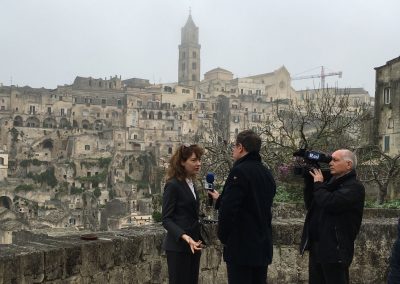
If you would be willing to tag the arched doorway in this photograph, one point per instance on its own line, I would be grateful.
(18, 121)
(99, 124)
(49, 123)
(85, 124)
(5, 202)
(32, 122)
(48, 144)
(64, 123)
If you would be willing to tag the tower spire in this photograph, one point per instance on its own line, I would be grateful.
(189, 53)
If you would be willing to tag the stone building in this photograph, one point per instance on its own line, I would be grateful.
(189, 54)
(387, 107)
(3, 165)
(133, 123)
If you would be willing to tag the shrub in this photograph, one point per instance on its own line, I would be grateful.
(76, 190)
(157, 216)
(24, 187)
(291, 193)
(390, 204)
(97, 192)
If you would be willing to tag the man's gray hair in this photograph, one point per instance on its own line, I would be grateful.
(350, 156)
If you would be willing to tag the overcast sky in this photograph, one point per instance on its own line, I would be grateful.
(45, 43)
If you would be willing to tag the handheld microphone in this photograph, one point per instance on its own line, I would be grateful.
(210, 186)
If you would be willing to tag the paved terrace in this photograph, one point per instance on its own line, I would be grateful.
(135, 255)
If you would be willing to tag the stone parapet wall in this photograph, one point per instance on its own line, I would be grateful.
(135, 256)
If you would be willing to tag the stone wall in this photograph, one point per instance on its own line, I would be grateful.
(135, 255)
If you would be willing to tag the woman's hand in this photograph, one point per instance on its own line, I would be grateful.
(194, 246)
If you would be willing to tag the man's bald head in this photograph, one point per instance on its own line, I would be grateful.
(343, 161)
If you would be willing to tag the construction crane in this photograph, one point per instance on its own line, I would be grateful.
(322, 76)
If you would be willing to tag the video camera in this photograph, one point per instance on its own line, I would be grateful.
(310, 160)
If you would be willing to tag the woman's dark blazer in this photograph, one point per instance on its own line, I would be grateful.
(180, 215)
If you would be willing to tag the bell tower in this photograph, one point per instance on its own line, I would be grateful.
(189, 54)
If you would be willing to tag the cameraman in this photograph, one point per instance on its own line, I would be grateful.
(334, 213)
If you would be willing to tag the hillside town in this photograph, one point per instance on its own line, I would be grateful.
(92, 155)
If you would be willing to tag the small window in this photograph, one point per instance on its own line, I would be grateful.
(386, 96)
(386, 143)
(194, 65)
(87, 147)
(103, 101)
(390, 123)
(194, 54)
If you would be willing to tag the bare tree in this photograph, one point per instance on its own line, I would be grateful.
(378, 168)
(324, 121)
(217, 158)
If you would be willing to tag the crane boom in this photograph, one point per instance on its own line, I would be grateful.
(322, 75)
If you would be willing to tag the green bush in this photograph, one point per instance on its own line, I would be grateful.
(390, 204)
(290, 193)
(25, 163)
(35, 162)
(101, 177)
(111, 194)
(24, 187)
(76, 190)
(104, 162)
(157, 217)
(128, 179)
(45, 177)
(97, 192)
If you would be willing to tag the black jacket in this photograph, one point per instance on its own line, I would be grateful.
(180, 215)
(244, 219)
(335, 210)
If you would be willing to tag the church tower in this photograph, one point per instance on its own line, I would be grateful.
(189, 54)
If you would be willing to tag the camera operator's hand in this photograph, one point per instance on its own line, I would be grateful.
(317, 175)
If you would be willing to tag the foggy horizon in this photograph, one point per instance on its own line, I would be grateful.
(47, 43)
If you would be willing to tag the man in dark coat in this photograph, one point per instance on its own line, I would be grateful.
(334, 214)
(244, 219)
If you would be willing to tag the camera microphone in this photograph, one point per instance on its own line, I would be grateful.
(210, 186)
